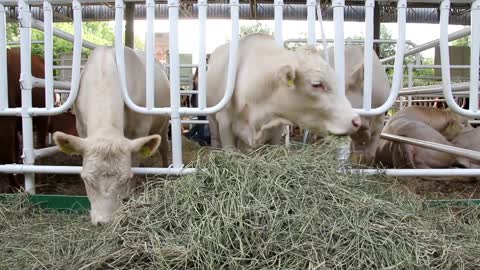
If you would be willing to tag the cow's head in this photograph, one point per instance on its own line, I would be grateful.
(107, 168)
(365, 140)
(456, 125)
(307, 95)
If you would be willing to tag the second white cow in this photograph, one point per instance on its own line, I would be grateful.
(365, 141)
(274, 87)
(112, 136)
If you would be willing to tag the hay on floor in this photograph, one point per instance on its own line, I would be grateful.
(272, 209)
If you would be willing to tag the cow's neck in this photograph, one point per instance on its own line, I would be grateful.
(254, 125)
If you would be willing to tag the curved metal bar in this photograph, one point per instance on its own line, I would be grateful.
(398, 66)
(77, 54)
(445, 60)
(232, 67)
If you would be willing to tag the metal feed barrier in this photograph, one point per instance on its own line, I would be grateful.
(175, 110)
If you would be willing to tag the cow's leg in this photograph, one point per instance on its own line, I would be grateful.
(214, 132)
(276, 133)
(227, 138)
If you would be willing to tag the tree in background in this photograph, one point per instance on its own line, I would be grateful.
(258, 27)
(463, 42)
(100, 33)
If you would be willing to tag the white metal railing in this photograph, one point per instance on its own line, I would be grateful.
(175, 110)
(474, 59)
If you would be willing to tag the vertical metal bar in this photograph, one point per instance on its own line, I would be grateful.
(24, 17)
(324, 38)
(311, 22)
(76, 63)
(3, 59)
(48, 45)
(398, 65)
(474, 55)
(368, 55)
(445, 59)
(202, 61)
(278, 21)
(410, 82)
(278, 15)
(175, 84)
(339, 42)
(150, 75)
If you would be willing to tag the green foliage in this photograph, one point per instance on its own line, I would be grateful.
(100, 33)
(258, 27)
(463, 42)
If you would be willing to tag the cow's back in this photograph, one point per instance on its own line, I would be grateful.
(258, 56)
(380, 82)
(100, 104)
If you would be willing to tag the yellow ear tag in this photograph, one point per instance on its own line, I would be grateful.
(290, 83)
(67, 149)
(145, 151)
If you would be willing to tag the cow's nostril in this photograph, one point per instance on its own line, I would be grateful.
(356, 122)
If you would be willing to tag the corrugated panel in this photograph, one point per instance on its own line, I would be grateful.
(264, 12)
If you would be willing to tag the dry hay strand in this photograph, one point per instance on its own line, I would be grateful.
(275, 208)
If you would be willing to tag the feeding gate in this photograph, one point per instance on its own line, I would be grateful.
(175, 111)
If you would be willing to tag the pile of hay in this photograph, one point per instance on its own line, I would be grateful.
(273, 209)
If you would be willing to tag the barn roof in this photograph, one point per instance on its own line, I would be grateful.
(424, 11)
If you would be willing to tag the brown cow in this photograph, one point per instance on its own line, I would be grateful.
(11, 126)
(65, 122)
(424, 123)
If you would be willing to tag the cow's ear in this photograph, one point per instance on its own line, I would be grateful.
(146, 146)
(356, 77)
(69, 144)
(286, 76)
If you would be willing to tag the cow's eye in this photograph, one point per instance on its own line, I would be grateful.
(319, 86)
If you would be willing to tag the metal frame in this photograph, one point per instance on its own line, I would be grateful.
(175, 110)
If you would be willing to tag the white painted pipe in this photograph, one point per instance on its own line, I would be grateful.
(24, 17)
(311, 21)
(322, 31)
(45, 152)
(41, 83)
(202, 54)
(431, 44)
(48, 59)
(398, 69)
(416, 172)
(194, 121)
(339, 44)
(410, 84)
(13, 43)
(445, 60)
(62, 34)
(368, 55)
(176, 127)
(278, 35)
(77, 54)
(150, 59)
(29, 169)
(474, 56)
(434, 89)
(278, 16)
(467, 153)
(349, 40)
(232, 67)
(3, 60)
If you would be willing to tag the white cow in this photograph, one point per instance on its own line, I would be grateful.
(274, 86)
(112, 135)
(366, 139)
